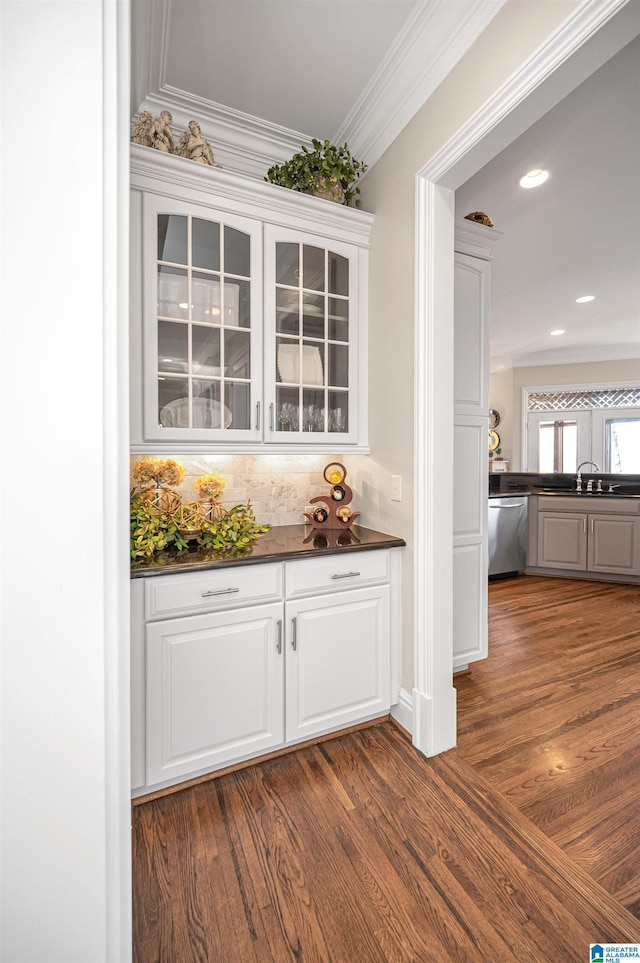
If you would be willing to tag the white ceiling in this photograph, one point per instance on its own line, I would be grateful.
(577, 234)
(299, 65)
(264, 76)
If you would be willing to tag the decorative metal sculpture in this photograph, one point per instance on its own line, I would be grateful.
(332, 510)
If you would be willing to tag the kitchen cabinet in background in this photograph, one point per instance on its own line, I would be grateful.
(248, 314)
(472, 318)
(594, 536)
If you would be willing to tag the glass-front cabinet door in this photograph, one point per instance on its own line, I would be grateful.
(202, 325)
(310, 339)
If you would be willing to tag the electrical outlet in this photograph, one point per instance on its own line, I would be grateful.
(396, 488)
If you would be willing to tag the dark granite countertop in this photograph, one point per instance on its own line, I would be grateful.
(280, 543)
(563, 493)
(502, 484)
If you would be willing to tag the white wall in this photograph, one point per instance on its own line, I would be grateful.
(65, 893)
(389, 192)
(505, 392)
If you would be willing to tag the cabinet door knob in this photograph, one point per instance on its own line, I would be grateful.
(346, 575)
(294, 640)
(279, 643)
(227, 591)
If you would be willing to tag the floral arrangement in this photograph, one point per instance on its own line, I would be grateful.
(210, 487)
(152, 529)
(164, 525)
(158, 472)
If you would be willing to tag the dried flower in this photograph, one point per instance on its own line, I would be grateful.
(172, 473)
(157, 471)
(210, 486)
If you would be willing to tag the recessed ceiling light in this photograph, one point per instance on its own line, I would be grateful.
(557, 331)
(585, 298)
(534, 178)
(183, 304)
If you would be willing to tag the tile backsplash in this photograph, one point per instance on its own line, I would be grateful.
(279, 486)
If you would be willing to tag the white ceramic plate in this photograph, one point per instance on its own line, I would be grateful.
(206, 414)
(289, 364)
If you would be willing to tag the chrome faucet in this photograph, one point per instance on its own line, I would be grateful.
(579, 475)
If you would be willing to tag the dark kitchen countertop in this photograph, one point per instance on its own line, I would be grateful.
(503, 484)
(282, 542)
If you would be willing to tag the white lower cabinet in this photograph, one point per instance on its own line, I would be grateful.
(215, 688)
(337, 663)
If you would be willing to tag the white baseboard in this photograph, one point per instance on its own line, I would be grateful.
(402, 711)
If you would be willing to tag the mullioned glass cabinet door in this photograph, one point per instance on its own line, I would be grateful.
(310, 339)
(202, 324)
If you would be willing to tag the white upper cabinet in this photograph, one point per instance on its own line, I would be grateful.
(248, 321)
(311, 338)
(202, 325)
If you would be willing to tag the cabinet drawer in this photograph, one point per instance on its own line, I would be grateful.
(169, 595)
(336, 572)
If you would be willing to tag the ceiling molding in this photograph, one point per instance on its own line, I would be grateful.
(149, 34)
(453, 164)
(476, 239)
(241, 143)
(434, 38)
(576, 355)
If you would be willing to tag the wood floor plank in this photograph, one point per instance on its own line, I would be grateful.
(551, 717)
(360, 850)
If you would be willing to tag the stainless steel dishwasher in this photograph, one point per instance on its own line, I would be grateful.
(507, 535)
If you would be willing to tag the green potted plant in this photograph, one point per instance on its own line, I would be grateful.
(327, 171)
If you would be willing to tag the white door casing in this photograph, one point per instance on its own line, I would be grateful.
(594, 33)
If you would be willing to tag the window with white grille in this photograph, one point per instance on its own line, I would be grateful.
(566, 427)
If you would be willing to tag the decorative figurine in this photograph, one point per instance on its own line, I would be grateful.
(193, 146)
(150, 131)
(332, 510)
(479, 217)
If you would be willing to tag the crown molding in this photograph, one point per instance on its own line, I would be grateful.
(475, 239)
(449, 166)
(434, 38)
(230, 190)
(580, 354)
(241, 143)
(431, 42)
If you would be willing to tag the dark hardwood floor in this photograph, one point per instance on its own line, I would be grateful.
(361, 850)
(552, 718)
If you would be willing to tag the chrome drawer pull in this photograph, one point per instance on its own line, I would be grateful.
(346, 575)
(279, 644)
(294, 640)
(227, 591)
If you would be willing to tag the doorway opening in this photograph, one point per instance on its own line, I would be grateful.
(586, 40)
